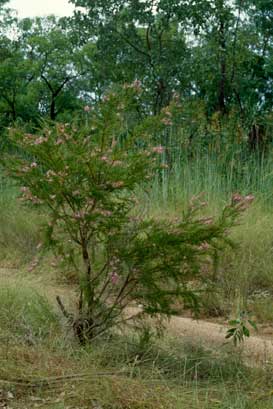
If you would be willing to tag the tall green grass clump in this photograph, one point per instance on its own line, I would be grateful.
(25, 315)
(19, 227)
(245, 276)
(218, 175)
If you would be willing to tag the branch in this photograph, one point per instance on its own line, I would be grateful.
(66, 314)
(132, 44)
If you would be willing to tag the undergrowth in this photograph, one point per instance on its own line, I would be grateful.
(121, 371)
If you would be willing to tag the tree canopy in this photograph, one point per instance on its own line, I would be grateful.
(214, 56)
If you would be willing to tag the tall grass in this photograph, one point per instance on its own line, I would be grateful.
(19, 227)
(216, 175)
(247, 273)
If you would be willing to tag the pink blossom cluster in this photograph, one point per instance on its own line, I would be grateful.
(114, 277)
(167, 112)
(59, 141)
(103, 212)
(87, 108)
(204, 246)
(40, 140)
(166, 121)
(81, 214)
(237, 198)
(118, 184)
(242, 202)
(28, 196)
(34, 140)
(136, 85)
(206, 220)
(26, 169)
(158, 149)
(50, 174)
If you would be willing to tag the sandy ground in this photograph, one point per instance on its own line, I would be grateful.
(258, 349)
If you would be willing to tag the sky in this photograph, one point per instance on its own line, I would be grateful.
(33, 8)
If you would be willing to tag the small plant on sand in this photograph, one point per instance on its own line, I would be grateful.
(85, 177)
(240, 328)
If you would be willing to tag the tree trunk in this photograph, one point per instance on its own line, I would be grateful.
(222, 82)
(53, 113)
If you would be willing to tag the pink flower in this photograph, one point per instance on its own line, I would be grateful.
(166, 121)
(237, 198)
(33, 165)
(79, 215)
(29, 136)
(50, 173)
(114, 277)
(206, 220)
(104, 158)
(249, 198)
(167, 111)
(137, 85)
(106, 213)
(87, 108)
(118, 184)
(103, 212)
(59, 141)
(204, 246)
(40, 140)
(158, 149)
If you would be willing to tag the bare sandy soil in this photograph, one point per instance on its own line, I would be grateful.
(257, 350)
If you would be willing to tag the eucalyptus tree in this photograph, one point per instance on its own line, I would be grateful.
(138, 40)
(51, 45)
(16, 71)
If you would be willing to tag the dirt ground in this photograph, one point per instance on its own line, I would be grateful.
(258, 349)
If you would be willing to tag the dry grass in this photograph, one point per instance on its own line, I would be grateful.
(121, 372)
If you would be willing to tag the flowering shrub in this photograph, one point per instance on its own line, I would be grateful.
(85, 177)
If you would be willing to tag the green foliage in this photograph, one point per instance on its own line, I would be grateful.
(240, 328)
(86, 177)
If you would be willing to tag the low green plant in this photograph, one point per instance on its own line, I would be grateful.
(240, 328)
(85, 176)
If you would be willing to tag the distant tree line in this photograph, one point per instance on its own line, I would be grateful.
(214, 57)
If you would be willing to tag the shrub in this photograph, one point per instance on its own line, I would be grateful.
(86, 176)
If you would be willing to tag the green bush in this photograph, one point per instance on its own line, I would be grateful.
(86, 177)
